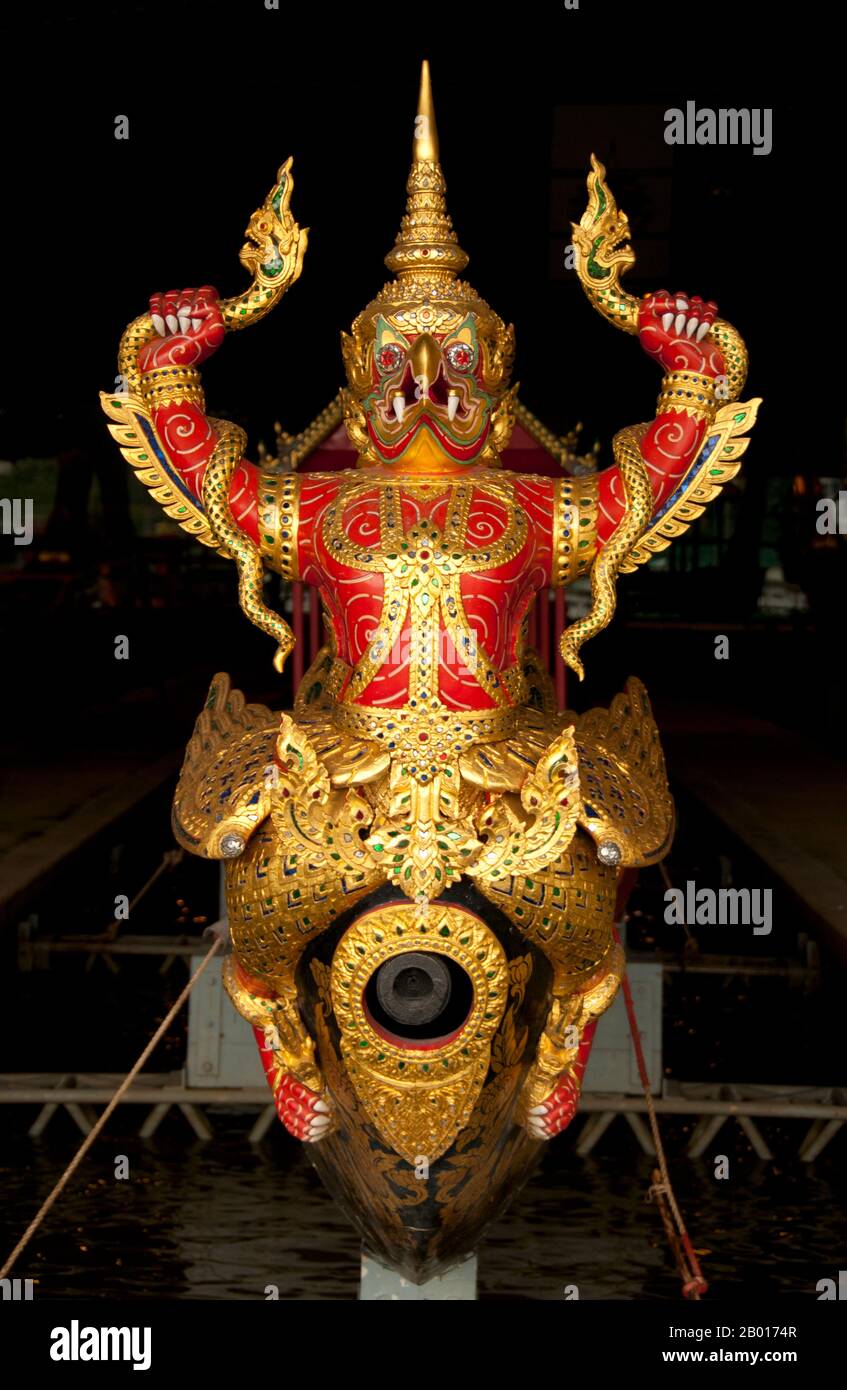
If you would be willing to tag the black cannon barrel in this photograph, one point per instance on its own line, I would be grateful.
(414, 988)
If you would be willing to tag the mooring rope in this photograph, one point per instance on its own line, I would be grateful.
(693, 1283)
(692, 945)
(170, 859)
(116, 1099)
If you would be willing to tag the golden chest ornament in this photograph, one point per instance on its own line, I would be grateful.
(420, 567)
(420, 884)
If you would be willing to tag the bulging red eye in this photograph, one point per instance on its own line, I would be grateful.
(460, 356)
(389, 357)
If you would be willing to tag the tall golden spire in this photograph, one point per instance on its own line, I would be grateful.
(426, 240)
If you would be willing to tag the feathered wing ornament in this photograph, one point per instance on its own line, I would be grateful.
(604, 254)
(639, 537)
(273, 253)
(625, 802)
(320, 823)
(717, 462)
(224, 787)
(602, 771)
(133, 430)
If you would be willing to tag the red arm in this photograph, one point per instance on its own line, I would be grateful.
(675, 330)
(575, 516)
(190, 328)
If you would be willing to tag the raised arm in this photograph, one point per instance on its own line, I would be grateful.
(675, 330)
(587, 511)
(656, 486)
(190, 326)
(159, 356)
(193, 465)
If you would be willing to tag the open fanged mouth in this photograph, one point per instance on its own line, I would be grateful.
(404, 402)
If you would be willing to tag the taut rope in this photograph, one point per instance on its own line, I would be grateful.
(116, 1098)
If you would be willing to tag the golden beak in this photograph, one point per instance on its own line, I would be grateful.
(425, 358)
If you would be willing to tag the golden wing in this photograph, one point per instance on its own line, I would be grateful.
(273, 253)
(317, 821)
(131, 426)
(224, 786)
(717, 461)
(626, 806)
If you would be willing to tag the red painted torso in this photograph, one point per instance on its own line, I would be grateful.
(427, 582)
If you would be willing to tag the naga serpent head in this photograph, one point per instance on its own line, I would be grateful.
(428, 362)
(602, 239)
(275, 246)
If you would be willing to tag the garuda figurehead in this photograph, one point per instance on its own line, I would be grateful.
(428, 362)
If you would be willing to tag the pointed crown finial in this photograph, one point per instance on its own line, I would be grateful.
(426, 240)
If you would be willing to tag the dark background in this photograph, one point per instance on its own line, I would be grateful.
(216, 99)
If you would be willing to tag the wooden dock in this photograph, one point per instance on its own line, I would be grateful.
(822, 1111)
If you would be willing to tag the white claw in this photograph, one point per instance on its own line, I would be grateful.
(452, 406)
(159, 324)
(679, 324)
(667, 320)
(538, 1109)
(196, 323)
(173, 322)
(399, 405)
(682, 304)
(184, 321)
(321, 1107)
(690, 327)
(702, 331)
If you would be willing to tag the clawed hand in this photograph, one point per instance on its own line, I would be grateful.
(189, 327)
(675, 329)
(305, 1115)
(554, 1114)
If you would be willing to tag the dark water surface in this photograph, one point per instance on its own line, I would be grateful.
(224, 1219)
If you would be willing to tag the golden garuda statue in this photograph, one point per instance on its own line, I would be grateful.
(422, 857)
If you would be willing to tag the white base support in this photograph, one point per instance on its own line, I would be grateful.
(457, 1285)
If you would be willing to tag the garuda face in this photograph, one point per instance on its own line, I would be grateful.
(422, 861)
(432, 384)
(428, 362)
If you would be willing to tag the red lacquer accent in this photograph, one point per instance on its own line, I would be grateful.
(495, 601)
(673, 438)
(295, 1103)
(562, 1103)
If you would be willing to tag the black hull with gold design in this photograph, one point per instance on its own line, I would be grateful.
(426, 966)
(420, 1214)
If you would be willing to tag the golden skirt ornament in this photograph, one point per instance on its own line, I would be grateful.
(423, 856)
